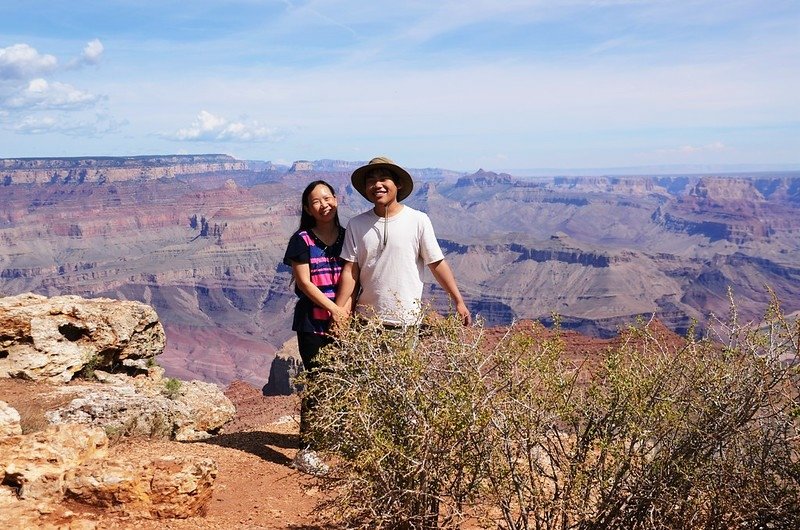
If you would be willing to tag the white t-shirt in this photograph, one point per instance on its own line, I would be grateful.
(391, 277)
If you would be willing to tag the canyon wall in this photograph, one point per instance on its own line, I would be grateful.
(204, 247)
(111, 169)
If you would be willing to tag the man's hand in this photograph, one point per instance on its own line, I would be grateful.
(340, 320)
(463, 312)
(441, 271)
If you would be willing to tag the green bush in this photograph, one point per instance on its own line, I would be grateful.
(172, 387)
(657, 432)
(88, 370)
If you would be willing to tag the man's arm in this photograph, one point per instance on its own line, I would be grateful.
(348, 282)
(444, 275)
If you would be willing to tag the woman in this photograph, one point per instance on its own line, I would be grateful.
(313, 254)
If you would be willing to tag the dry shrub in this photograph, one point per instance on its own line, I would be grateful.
(32, 418)
(404, 417)
(696, 434)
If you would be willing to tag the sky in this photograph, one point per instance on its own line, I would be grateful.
(457, 84)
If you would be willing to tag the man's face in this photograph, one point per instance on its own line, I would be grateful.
(380, 188)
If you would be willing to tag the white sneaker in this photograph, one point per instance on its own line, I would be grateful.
(309, 462)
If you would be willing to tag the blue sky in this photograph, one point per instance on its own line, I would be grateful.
(463, 84)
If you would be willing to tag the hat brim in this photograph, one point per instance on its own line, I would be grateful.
(405, 184)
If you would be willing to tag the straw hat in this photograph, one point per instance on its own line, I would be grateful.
(401, 177)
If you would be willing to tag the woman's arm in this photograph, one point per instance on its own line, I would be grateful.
(302, 276)
(348, 283)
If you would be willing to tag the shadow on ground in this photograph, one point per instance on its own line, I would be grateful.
(259, 443)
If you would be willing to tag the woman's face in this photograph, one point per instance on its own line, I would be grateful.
(321, 204)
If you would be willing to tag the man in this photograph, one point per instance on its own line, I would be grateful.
(386, 248)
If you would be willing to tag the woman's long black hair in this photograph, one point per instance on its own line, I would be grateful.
(307, 220)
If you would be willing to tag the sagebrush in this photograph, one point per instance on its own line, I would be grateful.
(656, 432)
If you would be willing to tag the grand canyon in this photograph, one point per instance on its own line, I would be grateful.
(201, 238)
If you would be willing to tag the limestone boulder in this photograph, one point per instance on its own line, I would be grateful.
(53, 338)
(202, 409)
(41, 514)
(15, 513)
(164, 487)
(38, 471)
(151, 406)
(119, 410)
(9, 420)
(38, 463)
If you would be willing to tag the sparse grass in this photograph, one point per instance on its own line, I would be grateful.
(88, 370)
(114, 433)
(32, 399)
(172, 387)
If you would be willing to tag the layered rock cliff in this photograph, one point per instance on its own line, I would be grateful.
(205, 250)
(111, 169)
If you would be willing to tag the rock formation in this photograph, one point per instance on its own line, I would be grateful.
(112, 345)
(9, 420)
(111, 169)
(163, 487)
(39, 470)
(54, 338)
(147, 405)
(285, 366)
(37, 464)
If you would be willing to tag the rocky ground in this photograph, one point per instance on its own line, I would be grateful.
(255, 486)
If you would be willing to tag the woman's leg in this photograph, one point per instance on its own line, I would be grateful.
(309, 345)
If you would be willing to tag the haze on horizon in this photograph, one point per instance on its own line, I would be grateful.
(458, 84)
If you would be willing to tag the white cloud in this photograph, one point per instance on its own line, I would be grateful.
(68, 125)
(91, 55)
(21, 61)
(713, 147)
(208, 127)
(92, 52)
(37, 125)
(41, 94)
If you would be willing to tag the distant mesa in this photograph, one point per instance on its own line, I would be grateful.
(485, 178)
(301, 165)
(325, 165)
